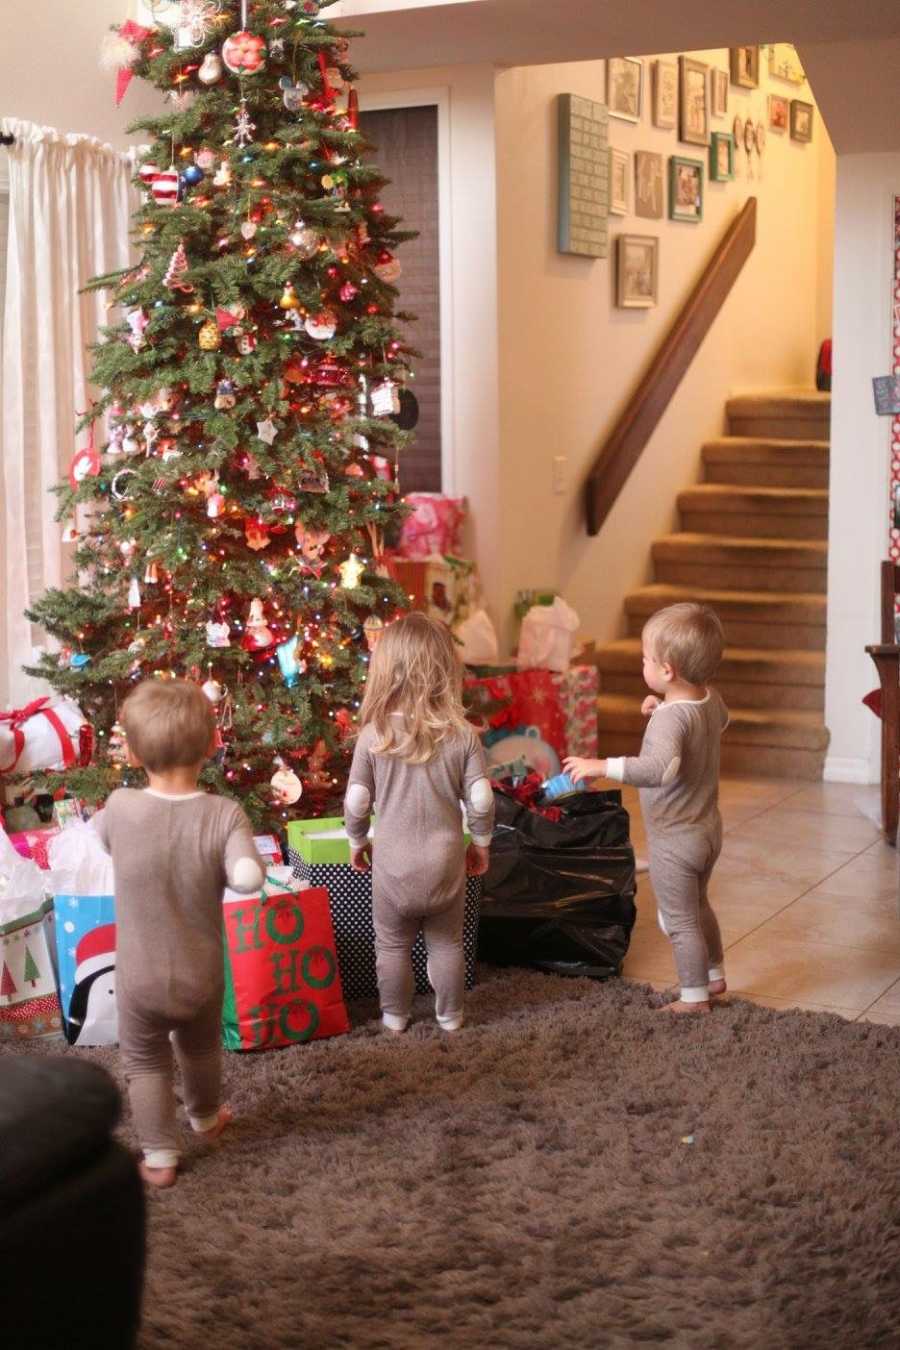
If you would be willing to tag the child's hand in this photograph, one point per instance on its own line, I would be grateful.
(580, 769)
(477, 860)
(649, 705)
(361, 858)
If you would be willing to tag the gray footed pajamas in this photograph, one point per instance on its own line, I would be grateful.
(172, 857)
(678, 774)
(419, 861)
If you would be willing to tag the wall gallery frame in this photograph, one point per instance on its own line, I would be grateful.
(744, 67)
(779, 113)
(719, 92)
(721, 157)
(693, 101)
(637, 271)
(801, 120)
(625, 87)
(665, 95)
(685, 189)
(784, 63)
(619, 174)
(649, 185)
(583, 209)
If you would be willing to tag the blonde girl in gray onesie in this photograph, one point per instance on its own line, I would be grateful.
(416, 761)
(678, 774)
(173, 847)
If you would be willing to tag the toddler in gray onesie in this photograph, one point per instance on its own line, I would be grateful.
(678, 774)
(173, 847)
(416, 760)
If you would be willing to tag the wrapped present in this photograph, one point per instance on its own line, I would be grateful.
(29, 1005)
(537, 703)
(579, 689)
(433, 524)
(81, 876)
(282, 980)
(319, 853)
(268, 846)
(561, 707)
(46, 734)
(445, 588)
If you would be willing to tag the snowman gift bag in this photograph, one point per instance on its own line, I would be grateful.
(82, 880)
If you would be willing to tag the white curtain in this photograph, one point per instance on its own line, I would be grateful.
(70, 201)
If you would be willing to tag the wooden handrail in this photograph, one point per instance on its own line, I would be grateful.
(626, 441)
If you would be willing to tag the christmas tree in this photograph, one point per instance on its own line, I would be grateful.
(238, 470)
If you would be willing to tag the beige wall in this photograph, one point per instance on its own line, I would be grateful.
(569, 358)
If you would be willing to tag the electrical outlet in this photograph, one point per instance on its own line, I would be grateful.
(560, 467)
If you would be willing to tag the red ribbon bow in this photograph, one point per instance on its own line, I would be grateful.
(19, 716)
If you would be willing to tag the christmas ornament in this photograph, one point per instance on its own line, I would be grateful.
(248, 230)
(351, 572)
(209, 337)
(85, 464)
(151, 574)
(267, 431)
(317, 776)
(213, 691)
(348, 292)
(116, 438)
(225, 396)
(322, 326)
(244, 53)
(407, 417)
(304, 240)
(387, 268)
(227, 318)
(288, 298)
(117, 745)
(121, 51)
(147, 173)
(256, 534)
(291, 667)
(210, 71)
(127, 548)
(385, 399)
(170, 450)
(78, 660)
(223, 175)
(130, 443)
(196, 21)
(292, 94)
(206, 158)
(218, 634)
(246, 343)
(120, 484)
(373, 629)
(286, 786)
(244, 126)
(134, 595)
(178, 266)
(258, 635)
(137, 321)
(165, 187)
(193, 175)
(312, 543)
(70, 533)
(313, 480)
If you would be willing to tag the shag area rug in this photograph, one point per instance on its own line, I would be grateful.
(571, 1170)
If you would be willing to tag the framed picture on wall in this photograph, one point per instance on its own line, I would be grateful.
(665, 95)
(618, 182)
(721, 157)
(693, 101)
(719, 93)
(784, 63)
(649, 188)
(779, 113)
(744, 67)
(685, 189)
(624, 87)
(637, 271)
(801, 120)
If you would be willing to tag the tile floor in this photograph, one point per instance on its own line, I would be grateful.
(806, 893)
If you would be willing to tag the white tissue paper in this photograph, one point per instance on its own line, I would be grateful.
(79, 864)
(23, 886)
(547, 637)
(479, 640)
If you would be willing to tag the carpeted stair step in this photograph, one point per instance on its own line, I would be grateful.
(781, 742)
(760, 512)
(757, 462)
(767, 619)
(747, 677)
(793, 414)
(735, 563)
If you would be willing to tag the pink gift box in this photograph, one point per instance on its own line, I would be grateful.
(433, 525)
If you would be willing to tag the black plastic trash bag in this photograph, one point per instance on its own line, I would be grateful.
(559, 895)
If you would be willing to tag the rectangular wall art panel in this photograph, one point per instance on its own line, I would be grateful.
(583, 177)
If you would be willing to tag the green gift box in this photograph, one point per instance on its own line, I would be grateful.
(319, 853)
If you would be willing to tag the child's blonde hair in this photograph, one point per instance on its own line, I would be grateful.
(689, 638)
(414, 671)
(169, 724)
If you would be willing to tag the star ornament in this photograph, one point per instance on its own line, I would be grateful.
(267, 431)
(351, 572)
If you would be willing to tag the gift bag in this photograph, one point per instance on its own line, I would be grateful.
(282, 980)
(81, 877)
(319, 853)
(86, 953)
(29, 1004)
(433, 524)
(547, 637)
(50, 733)
(579, 690)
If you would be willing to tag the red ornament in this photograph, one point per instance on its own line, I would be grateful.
(85, 464)
(244, 53)
(164, 187)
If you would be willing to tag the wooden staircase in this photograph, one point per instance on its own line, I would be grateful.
(753, 544)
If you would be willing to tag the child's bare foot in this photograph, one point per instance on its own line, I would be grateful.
(680, 1008)
(717, 988)
(225, 1118)
(160, 1177)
